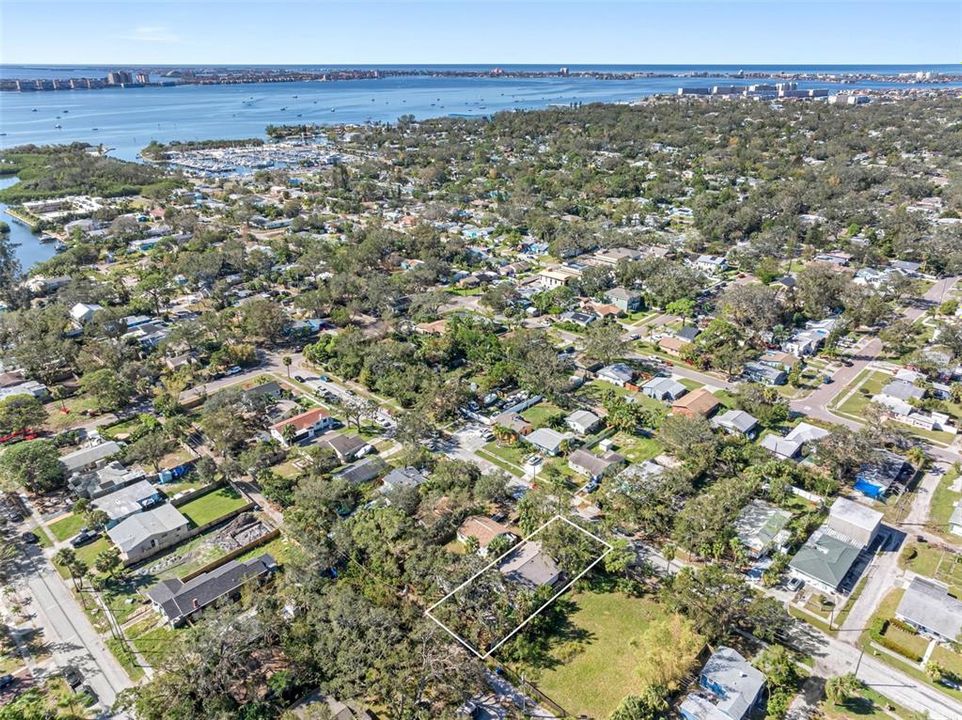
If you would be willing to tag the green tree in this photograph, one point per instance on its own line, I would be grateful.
(21, 412)
(842, 688)
(652, 704)
(603, 342)
(108, 562)
(109, 389)
(33, 465)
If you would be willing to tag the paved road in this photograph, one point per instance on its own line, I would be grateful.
(73, 641)
(816, 404)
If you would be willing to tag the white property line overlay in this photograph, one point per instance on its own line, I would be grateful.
(485, 656)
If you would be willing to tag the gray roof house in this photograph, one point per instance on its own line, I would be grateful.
(147, 533)
(582, 421)
(854, 520)
(584, 462)
(346, 447)
(103, 480)
(177, 600)
(402, 477)
(928, 607)
(902, 390)
(363, 470)
(89, 456)
(792, 444)
(127, 500)
(761, 527)
(528, 565)
(546, 440)
(763, 373)
(618, 374)
(733, 688)
(662, 388)
(736, 422)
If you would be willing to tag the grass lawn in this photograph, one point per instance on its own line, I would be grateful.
(66, 527)
(280, 548)
(690, 384)
(89, 553)
(636, 449)
(58, 420)
(942, 506)
(869, 705)
(538, 414)
(868, 384)
(126, 658)
(931, 562)
(949, 660)
(213, 505)
(616, 645)
(120, 430)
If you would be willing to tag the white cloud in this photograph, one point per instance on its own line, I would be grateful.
(156, 34)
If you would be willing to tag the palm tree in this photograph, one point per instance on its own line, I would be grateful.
(287, 360)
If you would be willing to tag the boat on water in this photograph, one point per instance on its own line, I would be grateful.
(47, 239)
(58, 126)
(60, 246)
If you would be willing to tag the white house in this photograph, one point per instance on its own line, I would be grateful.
(305, 426)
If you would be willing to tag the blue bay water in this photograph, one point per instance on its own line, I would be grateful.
(127, 119)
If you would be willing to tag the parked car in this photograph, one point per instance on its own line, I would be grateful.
(73, 677)
(299, 378)
(236, 370)
(89, 692)
(84, 537)
(30, 538)
(6, 681)
(795, 584)
(533, 460)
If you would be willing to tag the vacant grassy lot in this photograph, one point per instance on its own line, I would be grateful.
(618, 645)
(636, 449)
(538, 414)
(943, 504)
(865, 385)
(66, 527)
(932, 562)
(868, 705)
(213, 505)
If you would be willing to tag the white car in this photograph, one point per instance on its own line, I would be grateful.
(533, 461)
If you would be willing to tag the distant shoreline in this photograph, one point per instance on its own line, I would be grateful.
(257, 76)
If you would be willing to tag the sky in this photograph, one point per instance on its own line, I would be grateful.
(560, 32)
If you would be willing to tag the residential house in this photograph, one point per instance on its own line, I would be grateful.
(626, 300)
(876, 478)
(854, 520)
(335, 709)
(737, 422)
(406, 477)
(128, 500)
(547, 440)
(761, 527)
(928, 607)
(178, 601)
(673, 346)
(765, 373)
(147, 533)
(592, 466)
(732, 689)
(907, 267)
(363, 470)
(347, 447)
(83, 312)
(809, 339)
(513, 422)
(613, 256)
(662, 388)
(711, 264)
(698, 402)
(688, 333)
(825, 560)
(305, 426)
(89, 456)
(835, 257)
(484, 530)
(777, 359)
(27, 387)
(791, 446)
(557, 277)
(583, 422)
(529, 566)
(617, 374)
(578, 317)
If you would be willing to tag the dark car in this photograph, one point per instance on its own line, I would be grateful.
(299, 378)
(73, 677)
(30, 538)
(89, 692)
(84, 537)
(6, 681)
